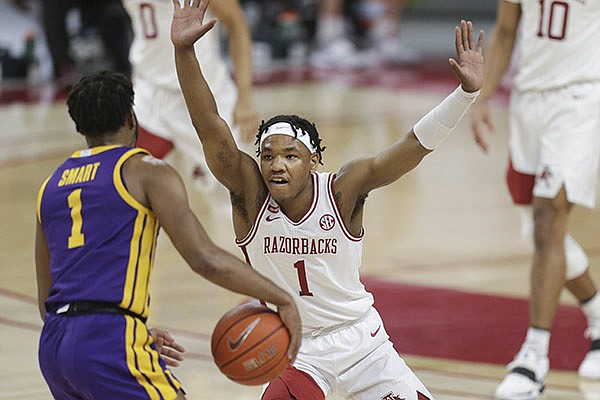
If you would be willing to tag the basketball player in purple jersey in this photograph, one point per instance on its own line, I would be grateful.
(98, 218)
(303, 228)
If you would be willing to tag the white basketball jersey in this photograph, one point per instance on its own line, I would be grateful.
(152, 54)
(315, 259)
(559, 43)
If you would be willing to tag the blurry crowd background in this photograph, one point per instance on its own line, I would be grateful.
(57, 40)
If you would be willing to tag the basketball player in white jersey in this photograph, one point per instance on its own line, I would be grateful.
(303, 228)
(554, 151)
(163, 118)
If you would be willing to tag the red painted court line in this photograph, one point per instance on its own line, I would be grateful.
(188, 333)
(20, 324)
(17, 296)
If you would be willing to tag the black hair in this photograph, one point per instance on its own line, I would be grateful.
(100, 103)
(297, 123)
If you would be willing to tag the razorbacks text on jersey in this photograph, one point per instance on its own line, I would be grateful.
(316, 259)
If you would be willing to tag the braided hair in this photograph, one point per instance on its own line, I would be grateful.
(100, 103)
(297, 123)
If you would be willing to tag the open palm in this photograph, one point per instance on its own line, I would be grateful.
(188, 22)
(469, 64)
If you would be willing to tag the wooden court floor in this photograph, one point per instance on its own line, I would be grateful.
(451, 217)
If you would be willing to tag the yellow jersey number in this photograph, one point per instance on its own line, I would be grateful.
(77, 239)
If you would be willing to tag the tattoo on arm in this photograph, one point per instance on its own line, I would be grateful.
(224, 159)
(225, 154)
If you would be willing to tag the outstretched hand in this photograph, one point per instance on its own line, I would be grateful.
(468, 65)
(188, 22)
(170, 351)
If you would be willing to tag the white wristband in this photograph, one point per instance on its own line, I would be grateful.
(438, 123)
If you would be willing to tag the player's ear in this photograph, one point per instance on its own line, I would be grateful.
(130, 119)
(314, 161)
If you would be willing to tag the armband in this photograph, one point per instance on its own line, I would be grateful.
(438, 123)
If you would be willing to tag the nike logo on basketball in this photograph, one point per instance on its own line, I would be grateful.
(235, 344)
(271, 218)
(373, 334)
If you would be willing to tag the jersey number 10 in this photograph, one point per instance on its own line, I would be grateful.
(556, 17)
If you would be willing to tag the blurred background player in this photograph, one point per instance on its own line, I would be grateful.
(76, 29)
(333, 44)
(554, 154)
(164, 122)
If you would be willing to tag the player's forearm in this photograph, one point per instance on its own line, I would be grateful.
(499, 53)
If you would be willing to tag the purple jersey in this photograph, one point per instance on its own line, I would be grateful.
(101, 240)
(101, 243)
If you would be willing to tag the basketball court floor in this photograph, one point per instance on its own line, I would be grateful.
(442, 253)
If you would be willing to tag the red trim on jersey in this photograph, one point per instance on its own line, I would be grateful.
(246, 257)
(157, 146)
(520, 185)
(293, 384)
(421, 396)
(338, 215)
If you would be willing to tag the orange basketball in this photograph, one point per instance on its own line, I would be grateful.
(249, 344)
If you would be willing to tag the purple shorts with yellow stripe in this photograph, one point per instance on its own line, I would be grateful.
(103, 356)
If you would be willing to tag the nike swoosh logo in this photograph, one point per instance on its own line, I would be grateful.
(235, 344)
(373, 334)
(271, 218)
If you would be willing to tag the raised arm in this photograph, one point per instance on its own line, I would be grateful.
(231, 167)
(156, 185)
(498, 54)
(359, 177)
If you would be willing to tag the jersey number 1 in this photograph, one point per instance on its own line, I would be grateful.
(76, 239)
(301, 269)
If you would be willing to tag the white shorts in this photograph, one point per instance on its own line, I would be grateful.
(359, 362)
(163, 113)
(555, 135)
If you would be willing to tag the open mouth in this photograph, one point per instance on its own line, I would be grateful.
(278, 181)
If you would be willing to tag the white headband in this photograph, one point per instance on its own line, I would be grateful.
(284, 128)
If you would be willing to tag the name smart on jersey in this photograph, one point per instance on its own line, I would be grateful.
(294, 245)
(85, 173)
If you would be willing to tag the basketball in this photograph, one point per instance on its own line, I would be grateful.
(249, 344)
